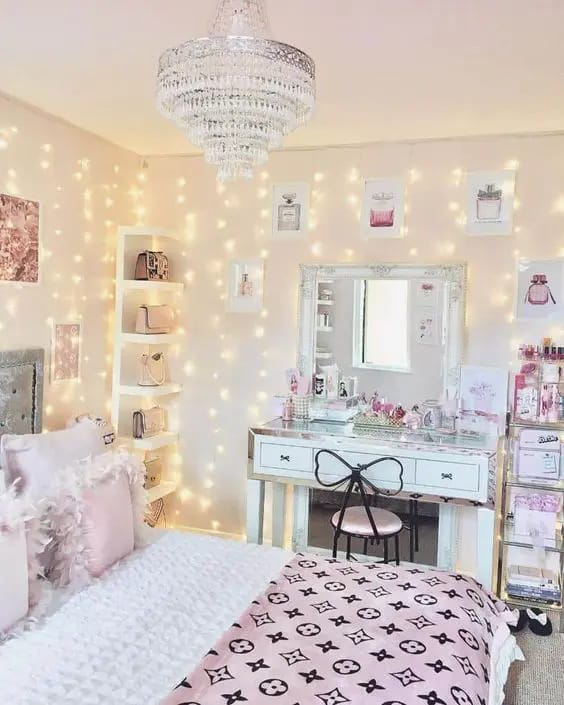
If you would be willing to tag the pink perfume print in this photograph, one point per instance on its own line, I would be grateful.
(382, 210)
(539, 293)
(245, 285)
(19, 239)
(488, 203)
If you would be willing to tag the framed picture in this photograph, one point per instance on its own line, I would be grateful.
(427, 293)
(245, 286)
(19, 240)
(65, 351)
(540, 289)
(383, 208)
(290, 210)
(427, 327)
(490, 197)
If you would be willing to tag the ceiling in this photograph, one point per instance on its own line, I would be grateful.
(387, 69)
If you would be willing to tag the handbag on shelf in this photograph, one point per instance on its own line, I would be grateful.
(151, 266)
(153, 320)
(153, 472)
(152, 370)
(148, 422)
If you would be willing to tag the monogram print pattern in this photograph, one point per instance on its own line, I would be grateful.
(329, 633)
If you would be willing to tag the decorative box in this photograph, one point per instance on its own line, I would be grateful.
(539, 465)
(536, 516)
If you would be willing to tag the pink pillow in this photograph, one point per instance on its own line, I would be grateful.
(107, 523)
(14, 588)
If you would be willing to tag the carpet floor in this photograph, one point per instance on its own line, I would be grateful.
(540, 679)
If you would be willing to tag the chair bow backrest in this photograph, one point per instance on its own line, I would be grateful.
(355, 479)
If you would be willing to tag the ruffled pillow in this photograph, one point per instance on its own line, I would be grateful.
(96, 517)
(24, 595)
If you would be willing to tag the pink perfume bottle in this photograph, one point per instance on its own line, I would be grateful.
(245, 285)
(289, 213)
(488, 203)
(382, 210)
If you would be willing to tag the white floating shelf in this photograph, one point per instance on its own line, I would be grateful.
(136, 390)
(323, 356)
(145, 231)
(325, 329)
(166, 438)
(320, 302)
(163, 489)
(141, 339)
(135, 285)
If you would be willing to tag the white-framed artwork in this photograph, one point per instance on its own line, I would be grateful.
(290, 209)
(383, 208)
(426, 326)
(540, 289)
(245, 285)
(427, 292)
(483, 399)
(490, 199)
(66, 340)
(19, 240)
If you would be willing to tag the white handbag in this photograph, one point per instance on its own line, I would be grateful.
(154, 319)
(152, 370)
(148, 422)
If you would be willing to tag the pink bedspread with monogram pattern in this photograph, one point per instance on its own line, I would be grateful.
(328, 632)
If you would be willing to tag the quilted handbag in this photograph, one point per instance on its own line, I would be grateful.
(153, 472)
(152, 370)
(151, 266)
(154, 319)
(148, 422)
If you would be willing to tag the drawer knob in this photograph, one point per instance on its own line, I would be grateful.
(446, 475)
(285, 457)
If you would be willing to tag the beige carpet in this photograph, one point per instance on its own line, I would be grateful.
(540, 679)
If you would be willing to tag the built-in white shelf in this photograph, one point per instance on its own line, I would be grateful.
(161, 440)
(324, 329)
(323, 355)
(146, 231)
(163, 489)
(136, 390)
(321, 302)
(151, 339)
(165, 287)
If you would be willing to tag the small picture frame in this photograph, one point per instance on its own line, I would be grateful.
(19, 240)
(383, 208)
(540, 289)
(490, 201)
(290, 210)
(66, 343)
(245, 286)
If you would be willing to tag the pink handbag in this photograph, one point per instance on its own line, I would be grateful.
(154, 320)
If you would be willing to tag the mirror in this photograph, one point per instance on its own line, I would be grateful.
(394, 329)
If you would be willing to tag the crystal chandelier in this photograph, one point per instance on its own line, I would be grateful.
(236, 93)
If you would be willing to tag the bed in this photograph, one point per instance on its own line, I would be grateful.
(198, 620)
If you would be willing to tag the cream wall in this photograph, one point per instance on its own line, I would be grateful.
(83, 184)
(234, 363)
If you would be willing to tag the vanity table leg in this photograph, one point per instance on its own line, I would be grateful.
(255, 510)
(485, 541)
(300, 521)
(278, 513)
(446, 550)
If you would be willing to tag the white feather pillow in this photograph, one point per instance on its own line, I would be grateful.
(96, 516)
(22, 540)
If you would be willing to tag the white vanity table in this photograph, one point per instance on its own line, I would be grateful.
(449, 470)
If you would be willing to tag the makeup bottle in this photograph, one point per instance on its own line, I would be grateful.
(287, 410)
(289, 213)
(488, 203)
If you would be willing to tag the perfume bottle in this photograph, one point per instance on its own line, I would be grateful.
(382, 210)
(289, 213)
(488, 203)
(245, 285)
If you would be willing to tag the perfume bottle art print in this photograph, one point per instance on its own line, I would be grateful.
(245, 285)
(539, 293)
(488, 203)
(382, 210)
(289, 213)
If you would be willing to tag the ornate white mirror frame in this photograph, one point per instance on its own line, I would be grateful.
(454, 276)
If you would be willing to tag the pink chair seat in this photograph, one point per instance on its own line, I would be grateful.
(355, 521)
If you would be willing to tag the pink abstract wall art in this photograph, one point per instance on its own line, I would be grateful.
(19, 240)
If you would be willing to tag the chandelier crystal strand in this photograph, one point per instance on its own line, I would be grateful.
(236, 93)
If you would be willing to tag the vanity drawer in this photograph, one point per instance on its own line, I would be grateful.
(385, 474)
(285, 457)
(453, 476)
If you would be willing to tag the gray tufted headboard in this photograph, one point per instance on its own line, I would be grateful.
(21, 391)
